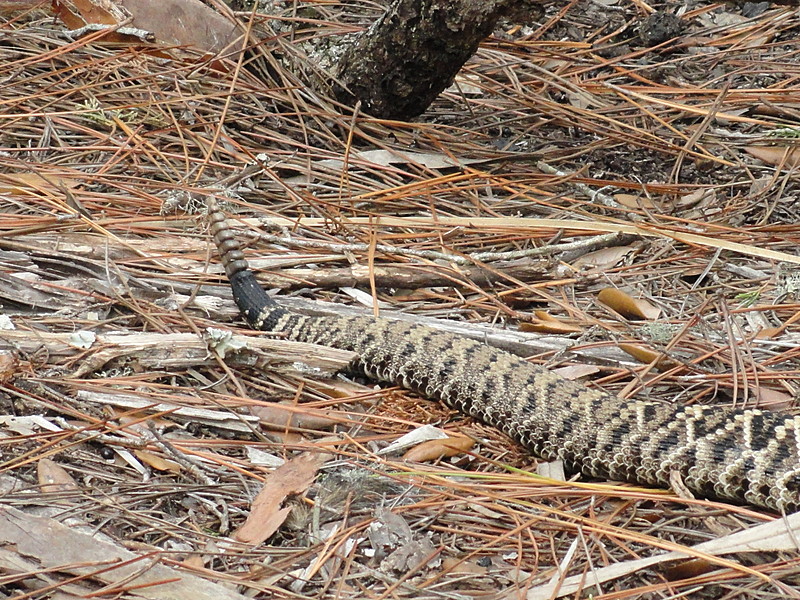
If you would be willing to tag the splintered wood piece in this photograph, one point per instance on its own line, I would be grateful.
(175, 351)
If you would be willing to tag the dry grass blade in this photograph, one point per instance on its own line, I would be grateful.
(776, 536)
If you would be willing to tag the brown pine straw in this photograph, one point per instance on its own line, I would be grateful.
(547, 140)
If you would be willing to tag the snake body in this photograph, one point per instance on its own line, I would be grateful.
(743, 455)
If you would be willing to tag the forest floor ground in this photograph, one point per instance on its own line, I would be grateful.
(136, 462)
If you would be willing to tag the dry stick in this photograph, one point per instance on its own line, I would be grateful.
(581, 246)
(399, 275)
(195, 468)
(142, 34)
(80, 432)
(581, 187)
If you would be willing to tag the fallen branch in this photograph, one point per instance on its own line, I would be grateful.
(171, 351)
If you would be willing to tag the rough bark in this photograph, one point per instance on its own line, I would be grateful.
(399, 65)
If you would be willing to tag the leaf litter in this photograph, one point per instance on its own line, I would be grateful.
(482, 213)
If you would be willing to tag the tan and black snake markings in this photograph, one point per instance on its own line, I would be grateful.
(747, 456)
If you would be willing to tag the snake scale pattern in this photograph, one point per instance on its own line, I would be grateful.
(745, 456)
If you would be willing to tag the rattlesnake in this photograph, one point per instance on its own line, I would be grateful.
(744, 455)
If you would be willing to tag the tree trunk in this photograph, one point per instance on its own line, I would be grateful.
(398, 66)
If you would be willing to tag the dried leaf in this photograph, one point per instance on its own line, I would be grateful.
(156, 462)
(702, 197)
(546, 323)
(412, 438)
(266, 516)
(194, 562)
(287, 438)
(9, 364)
(135, 423)
(46, 545)
(605, 258)
(769, 333)
(759, 186)
(93, 12)
(787, 156)
(277, 416)
(468, 84)
(574, 372)
(435, 449)
(53, 477)
(67, 16)
(27, 424)
(584, 99)
(628, 306)
(256, 456)
(689, 568)
(184, 22)
(431, 160)
(339, 388)
(456, 566)
(774, 399)
(648, 356)
(636, 201)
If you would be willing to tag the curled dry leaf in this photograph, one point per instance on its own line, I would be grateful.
(414, 437)
(280, 417)
(435, 449)
(661, 361)
(546, 323)
(627, 305)
(156, 462)
(693, 567)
